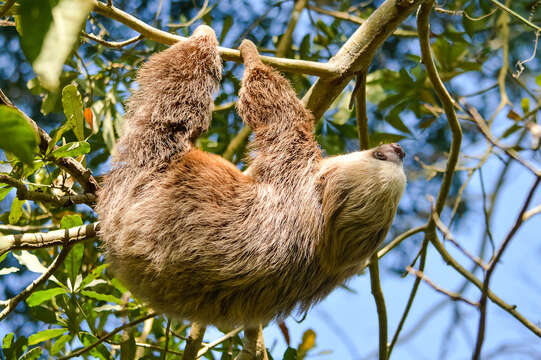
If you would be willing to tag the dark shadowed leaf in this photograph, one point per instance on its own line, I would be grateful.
(18, 137)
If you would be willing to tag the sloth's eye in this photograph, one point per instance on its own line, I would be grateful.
(379, 155)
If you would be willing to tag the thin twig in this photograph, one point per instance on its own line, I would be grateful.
(377, 293)
(492, 266)
(167, 331)
(12, 303)
(218, 341)
(107, 336)
(51, 238)
(71, 166)
(464, 13)
(447, 235)
(528, 214)
(113, 44)
(511, 309)
(512, 13)
(5, 8)
(452, 295)
(482, 125)
(359, 94)
(342, 15)
(397, 240)
(202, 12)
(24, 194)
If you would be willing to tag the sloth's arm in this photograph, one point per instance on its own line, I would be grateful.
(284, 143)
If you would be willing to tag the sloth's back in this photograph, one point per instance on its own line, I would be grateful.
(198, 241)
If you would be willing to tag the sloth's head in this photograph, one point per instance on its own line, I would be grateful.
(360, 195)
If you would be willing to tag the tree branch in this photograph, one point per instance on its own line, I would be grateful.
(492, 266)
(452, 295)
(356, 54)
(12, 303)
(218, 341)
(377, 293)
(193, 343)
(163, 37)
(71, 166)
(342, 15)
(24, 194)
(51, 238)
(107, 336)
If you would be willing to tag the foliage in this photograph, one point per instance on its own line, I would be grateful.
(66, 69)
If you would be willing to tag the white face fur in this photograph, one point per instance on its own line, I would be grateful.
(380, 165)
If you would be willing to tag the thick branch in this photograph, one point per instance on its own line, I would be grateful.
(149, 32)
(193, 343)
(357, 53)
(51, 238)
(423, 27)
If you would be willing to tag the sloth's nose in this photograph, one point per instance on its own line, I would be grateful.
(398, 150)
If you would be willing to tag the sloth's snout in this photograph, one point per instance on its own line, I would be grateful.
(398, 150)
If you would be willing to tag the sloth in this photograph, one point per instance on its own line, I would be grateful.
(197, 239)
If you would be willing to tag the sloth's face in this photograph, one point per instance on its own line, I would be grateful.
(389, 152)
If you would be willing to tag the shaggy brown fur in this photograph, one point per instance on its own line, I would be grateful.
(196, 238)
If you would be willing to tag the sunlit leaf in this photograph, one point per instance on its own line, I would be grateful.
(45, 335)
(73, 109)
(60, 344)
(38, 297)
(8, 270)
(308, 341)
(4, 192)
(32, 354)
(30, 260)
(18, 136)
(102, 297)
(73, 261)
(69, 221)
(71, 149)
(16, 210)
(49, 35)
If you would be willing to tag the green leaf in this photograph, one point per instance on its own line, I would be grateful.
(102, 297)
(127, 349)
(49, 35)
(290, 354)
(69, 221)
(71, 149)
(4, 192)
(525, 104)
(7, 342)
(304, 47)
(18, 136)
(39, 297)
(73, 261)
(60, 344)
(35, 19)
(384, 138)
(16, 210)
(32, 354)
(538, 79)
(99, 351)
(45, 335)
(73, 109)
(93, 275)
